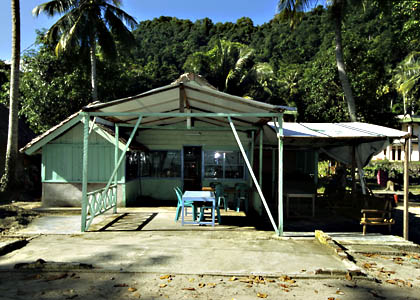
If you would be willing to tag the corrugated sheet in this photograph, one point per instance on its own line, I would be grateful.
(188, 94)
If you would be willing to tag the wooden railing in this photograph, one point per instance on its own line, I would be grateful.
(100, 201)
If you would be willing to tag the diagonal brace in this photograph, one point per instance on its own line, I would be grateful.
(238, 141)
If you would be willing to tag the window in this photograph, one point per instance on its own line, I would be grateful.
(160, 164)
(223, 165)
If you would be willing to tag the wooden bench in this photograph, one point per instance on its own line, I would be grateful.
(376, 217)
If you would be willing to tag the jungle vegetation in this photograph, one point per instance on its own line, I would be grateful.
(273, 63)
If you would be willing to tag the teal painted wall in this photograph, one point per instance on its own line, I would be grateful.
(62, 158)
(162, 188)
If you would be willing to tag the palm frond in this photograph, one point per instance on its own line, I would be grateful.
(54, 7)
(68, 40)
(118, 28)
(122, 15)
(105, 40)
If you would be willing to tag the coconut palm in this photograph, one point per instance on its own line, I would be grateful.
(407, 76)
(293, 10)
(231, 67)
(9, 178)
(88, 23)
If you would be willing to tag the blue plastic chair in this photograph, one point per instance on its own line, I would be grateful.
(186, 205)
(241, 194)
(220, 195)
(202, 208)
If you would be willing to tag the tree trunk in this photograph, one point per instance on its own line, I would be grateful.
(344, 79)
(9, 178)
(94, 80)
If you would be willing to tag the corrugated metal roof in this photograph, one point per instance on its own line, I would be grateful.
(188, 94)
(328, 134)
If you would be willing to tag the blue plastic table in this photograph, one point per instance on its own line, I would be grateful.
(201, 196)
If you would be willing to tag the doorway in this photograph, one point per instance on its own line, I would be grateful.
(192, 168)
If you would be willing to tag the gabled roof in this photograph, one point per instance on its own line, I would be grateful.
(190, 93)
(37, 143)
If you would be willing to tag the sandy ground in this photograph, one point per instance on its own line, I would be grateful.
(83, 285)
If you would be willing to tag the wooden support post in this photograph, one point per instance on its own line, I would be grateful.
(251, 172)
(406, 183)
(117, 143)
(85, 170)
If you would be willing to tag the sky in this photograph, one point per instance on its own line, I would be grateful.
(260, 11)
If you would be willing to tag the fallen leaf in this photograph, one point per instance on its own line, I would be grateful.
(285, 286)
(162, 285)
(121, 285)
(233, 278)
(131, 289)
(261, 295)
(165, 276)
(271, 280)
(284, 278)
(211, 285)
(188, 289)
(331, 298)
(391, 281)
(349, 277)
(291, 281)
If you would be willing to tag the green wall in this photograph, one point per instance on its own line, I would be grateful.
(62, 158)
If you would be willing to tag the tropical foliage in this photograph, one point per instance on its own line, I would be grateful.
(84, 24)
(271, 63)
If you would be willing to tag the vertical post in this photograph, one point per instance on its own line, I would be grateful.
(117, 143)
(406, 159)
(252, 155)
(280, 174)
(353, 177)
(260, 169)
(273, 171)
(85, 169)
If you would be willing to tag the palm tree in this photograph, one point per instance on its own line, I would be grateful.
(231, 68)
(9, 178)
(294, 9)
(407, 76)
(88, 23)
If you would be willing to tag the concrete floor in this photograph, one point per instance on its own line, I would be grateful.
(148, 240)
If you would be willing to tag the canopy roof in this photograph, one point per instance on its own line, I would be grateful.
(317, 135)
(189, 94)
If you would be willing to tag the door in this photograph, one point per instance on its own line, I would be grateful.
(192, 168)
